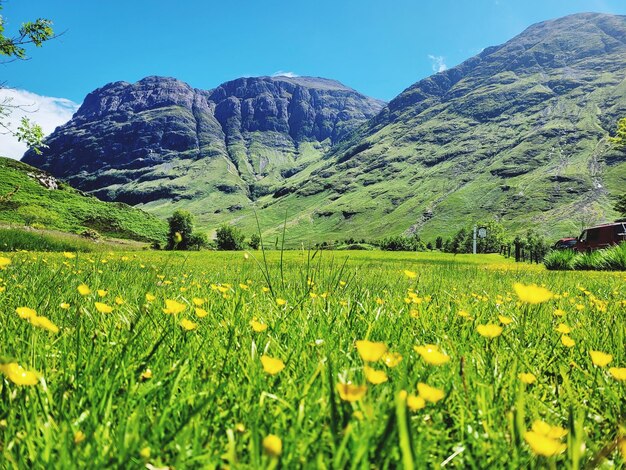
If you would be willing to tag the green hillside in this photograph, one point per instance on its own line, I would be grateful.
(516, 134)
(29, 196)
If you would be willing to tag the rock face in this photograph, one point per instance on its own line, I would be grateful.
(129, 142)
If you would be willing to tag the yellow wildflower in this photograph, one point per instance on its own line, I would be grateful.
(257, 326)
(45, 323)
(280, 302)
(532, 294)
(463, 313)
(370, 351)
(410, 274)
(150, 298)
(599, 358)
(18, 375)
(391, 359)
(618, 373)
(567, 341)
(489, 330)
(432, 354)
(188, 325)
(79, 437)
(429, 393)
(415, 402)
(543, 445)
(559, 313)
(119, 300)
(505, 320)
(26, 313)
(102, 293)
(64, 305)
(374, 376)
(527, 377)
(103, 308)
(84, 289)
(145, 453)
(201, 313)
(272, 445)
(272, 365)
(173, 308)
(4, 262)
(563, 328)
(350, 392)
(69, 255)
(198, 302)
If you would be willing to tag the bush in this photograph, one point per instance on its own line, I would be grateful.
(180, 231)
(255, 241)
(228, 237)
(197, 241)
(559, 260)
(401, 243)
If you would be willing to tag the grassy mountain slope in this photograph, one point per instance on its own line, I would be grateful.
(30, 196)
(517, 133)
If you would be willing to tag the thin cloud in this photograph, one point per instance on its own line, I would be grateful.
(281, 73)
(47, 111)
(438, 63)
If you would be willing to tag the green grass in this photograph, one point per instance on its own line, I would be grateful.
(24, 201)
(17, 239)
(609, 259)
(209, 402)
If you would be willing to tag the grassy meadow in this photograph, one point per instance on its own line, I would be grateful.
(308, 359)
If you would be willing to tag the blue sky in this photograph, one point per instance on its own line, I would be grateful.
(377, 47)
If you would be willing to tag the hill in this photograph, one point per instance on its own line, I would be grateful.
(162, 144)
(30, 196)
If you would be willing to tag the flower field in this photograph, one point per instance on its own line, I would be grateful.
(302, 359)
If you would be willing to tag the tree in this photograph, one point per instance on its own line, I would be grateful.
(14, 48)
(181, 230)
(228, 237)
(439, 243)
(197, 241)
(255, 241)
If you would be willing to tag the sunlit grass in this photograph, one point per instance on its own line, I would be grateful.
(212, 359)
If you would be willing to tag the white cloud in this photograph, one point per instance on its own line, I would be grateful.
(46, 111)
(281, 73)
(438, 63)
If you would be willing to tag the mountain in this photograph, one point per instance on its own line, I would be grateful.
(516, 133)
(31, 196)
(159, 141)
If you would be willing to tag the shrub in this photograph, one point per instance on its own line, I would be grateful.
(559, 260)
(401, 243)
(255, 241)
(180, 231)
(228, 237)
(197, 241)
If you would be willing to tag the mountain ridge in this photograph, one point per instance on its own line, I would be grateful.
(516, 133)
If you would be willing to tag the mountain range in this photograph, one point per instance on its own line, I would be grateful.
(516, 133)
